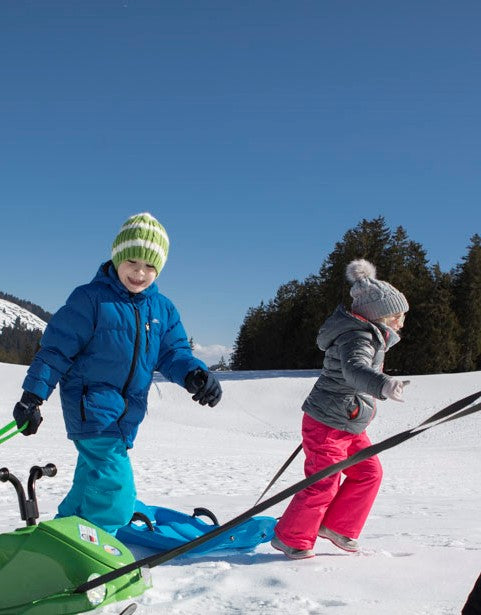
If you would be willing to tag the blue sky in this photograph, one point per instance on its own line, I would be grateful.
(257, 132)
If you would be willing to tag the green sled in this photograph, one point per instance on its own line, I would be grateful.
(42, 565)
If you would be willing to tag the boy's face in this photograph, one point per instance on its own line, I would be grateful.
(136, 275)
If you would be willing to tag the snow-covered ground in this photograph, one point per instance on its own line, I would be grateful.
(422, 542)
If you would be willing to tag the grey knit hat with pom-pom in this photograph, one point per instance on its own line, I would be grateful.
(373, 298)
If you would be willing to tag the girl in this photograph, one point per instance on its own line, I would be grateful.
(337, 412)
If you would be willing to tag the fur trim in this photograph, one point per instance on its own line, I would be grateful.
(359, 270)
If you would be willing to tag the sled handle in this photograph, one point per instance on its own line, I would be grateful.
(138, 516)
(28, 505)
(198, 512)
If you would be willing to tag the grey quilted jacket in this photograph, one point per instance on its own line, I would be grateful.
(351, 378)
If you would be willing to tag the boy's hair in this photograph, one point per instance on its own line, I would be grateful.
(373, 298)
(141, 237)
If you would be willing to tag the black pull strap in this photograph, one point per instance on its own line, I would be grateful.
(452, 408)
(279, 472)
(451, 413)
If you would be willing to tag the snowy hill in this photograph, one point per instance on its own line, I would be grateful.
(421, 546)
(9, 312)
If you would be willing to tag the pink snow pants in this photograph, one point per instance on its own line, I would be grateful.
(342, 507)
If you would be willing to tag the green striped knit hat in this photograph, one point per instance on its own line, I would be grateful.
(141, 237)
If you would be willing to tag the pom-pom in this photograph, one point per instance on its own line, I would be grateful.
(360, 270)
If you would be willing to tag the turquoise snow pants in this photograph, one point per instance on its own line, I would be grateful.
(103, 490)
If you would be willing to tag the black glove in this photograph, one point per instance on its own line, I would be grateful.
(27, 409)
(205, 386)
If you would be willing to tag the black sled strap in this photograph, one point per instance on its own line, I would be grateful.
(279, 472)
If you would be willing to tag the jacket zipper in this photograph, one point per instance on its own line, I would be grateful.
(147, 335)
(132, 365)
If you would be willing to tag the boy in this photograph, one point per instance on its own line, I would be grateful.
(103, 347)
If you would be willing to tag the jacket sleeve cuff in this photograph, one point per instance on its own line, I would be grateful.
(31, 398)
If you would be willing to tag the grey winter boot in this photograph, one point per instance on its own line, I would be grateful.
(291, 552)
(340, 541)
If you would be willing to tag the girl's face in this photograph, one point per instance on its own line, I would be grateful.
(395, 321)
(136, 275)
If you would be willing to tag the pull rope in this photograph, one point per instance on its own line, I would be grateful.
(8, 427)
(280, 471)
(452, 412)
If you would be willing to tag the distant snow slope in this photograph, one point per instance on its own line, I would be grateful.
(9, 312)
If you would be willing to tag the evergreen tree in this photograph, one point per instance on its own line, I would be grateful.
(282, 334)
(18, 344)
(467, 305)
(248, 347)
(311, 312)
(285, 313)
(368, 240)
(404, 264)
(436, 349)
(223, 364)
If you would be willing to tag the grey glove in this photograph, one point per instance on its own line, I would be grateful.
(394, 389)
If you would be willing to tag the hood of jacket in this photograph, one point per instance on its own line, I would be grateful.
(343, 321)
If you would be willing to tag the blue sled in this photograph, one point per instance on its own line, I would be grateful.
(162, 529)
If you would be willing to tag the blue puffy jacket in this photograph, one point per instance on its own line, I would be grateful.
(103, 346)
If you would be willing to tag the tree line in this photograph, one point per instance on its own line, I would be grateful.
(442, 331)
(18, 344)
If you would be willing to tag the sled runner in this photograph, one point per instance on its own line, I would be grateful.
(162, 529)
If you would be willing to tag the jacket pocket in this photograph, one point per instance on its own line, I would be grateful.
(82, 405)
(354, 413)
(355, 408)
